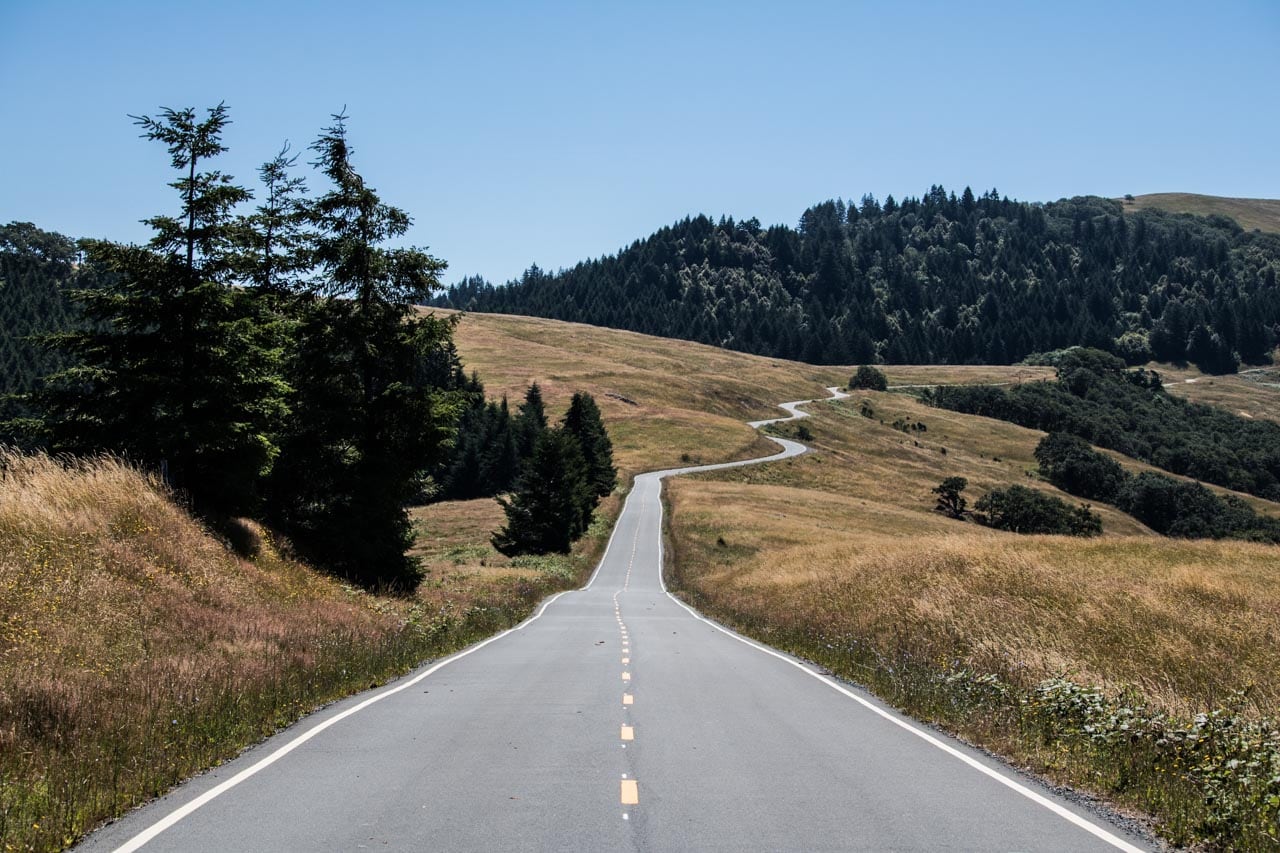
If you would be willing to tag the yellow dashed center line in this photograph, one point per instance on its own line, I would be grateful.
(628, 733)
(630, 792)
(628, 699)
(626, 676)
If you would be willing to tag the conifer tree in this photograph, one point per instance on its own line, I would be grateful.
(171, 371)
(584, 423)
(376, 387)
(544, 514)
(530, 421)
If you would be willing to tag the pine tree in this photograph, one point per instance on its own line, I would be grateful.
(584, 423)
(376, 387)
(530, 421)
(171, 370)
(544, 514)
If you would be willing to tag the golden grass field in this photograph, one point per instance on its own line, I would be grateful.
(1260, 213)
(1186, 622)
(1254, 392)
(686, 398)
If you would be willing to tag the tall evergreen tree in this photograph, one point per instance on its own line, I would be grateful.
(544, 514)
(170, 370)
(530, 421)
(584, 423)
(375, 392)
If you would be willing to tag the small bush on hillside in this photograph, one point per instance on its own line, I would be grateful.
(1022, 510)
(869, 378)
(950, 502)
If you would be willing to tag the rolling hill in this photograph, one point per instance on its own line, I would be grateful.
(1260, 213)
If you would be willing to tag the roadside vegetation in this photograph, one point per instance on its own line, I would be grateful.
(1135, 666)
(137, 648)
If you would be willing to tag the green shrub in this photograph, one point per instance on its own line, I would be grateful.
(869, 378)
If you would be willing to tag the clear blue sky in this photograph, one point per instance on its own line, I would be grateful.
(536, 132)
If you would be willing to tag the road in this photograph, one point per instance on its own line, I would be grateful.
(615, 718)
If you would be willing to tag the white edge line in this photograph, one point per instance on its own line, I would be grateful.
(1040, 799)
(178, 814)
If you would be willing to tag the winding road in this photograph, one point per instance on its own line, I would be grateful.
(615, 718)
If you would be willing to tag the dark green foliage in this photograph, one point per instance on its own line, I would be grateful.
(36, 269)
(870, 379)
(485, 460)
(375, 388)
(935, 279)
(530, 421)
(950, 502)
(584, 423)
(546, 511)
(1096, 399)
(173, 370)
(1073, 466)
(1189, 510)
(1168, 506)
(1022, 510)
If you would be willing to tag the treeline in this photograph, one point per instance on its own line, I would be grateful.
(1095, 398)
(936, 279)
(1168, 506)
(266, 361)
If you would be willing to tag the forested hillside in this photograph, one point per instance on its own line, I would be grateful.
(936, 279)
(34, 265)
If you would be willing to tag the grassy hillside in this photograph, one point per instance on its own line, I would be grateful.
(661, 399)
(1251, 213)
(838, 556)
(1251, 393)
(137, 649)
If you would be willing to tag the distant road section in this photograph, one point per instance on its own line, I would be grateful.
(616, 718)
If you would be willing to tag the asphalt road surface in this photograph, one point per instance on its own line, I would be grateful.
(615, 718)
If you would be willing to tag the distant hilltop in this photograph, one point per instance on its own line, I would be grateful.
(1250, 213)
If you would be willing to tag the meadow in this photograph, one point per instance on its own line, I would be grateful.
(1006, 640)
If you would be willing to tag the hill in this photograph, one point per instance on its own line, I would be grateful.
(1260, 213)
(931, 280)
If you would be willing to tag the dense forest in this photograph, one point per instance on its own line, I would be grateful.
(936, 279)
(1094, 398)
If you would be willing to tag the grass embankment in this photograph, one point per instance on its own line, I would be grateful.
(1085, 660)
(1250, 213)
(136, 649)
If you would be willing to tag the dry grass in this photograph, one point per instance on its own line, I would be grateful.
(1183, 623)
(1254, 392)
(838, 556)
(686, 398)
(1251, 213)
(136, 649)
